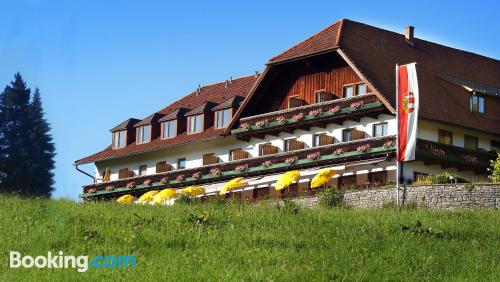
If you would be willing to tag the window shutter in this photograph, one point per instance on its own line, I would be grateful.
(163, 167)
(209, 159)
(326, 140)
(239, 155)
(125, 173)
(358, 134)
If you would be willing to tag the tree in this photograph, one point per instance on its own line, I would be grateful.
(26, 150)
(42, 150)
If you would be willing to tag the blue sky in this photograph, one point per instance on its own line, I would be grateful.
(100, 62)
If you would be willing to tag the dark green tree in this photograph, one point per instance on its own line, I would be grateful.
(26, 149)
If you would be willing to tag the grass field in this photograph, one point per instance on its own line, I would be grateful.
(247, 243)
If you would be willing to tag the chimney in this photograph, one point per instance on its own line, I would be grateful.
(256, 74)
(227, 84)
(409, 35)
(230, 80)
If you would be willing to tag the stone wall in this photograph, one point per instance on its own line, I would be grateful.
(443, 196)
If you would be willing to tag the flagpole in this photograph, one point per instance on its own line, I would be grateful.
(397, 137)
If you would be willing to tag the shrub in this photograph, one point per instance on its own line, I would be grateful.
(164, 180)
(315, 113)
(215, 172)
(289, 206)
(442, 178)
(389, 144)
(281, 119)
(291, 160)
(313, 156)
(334, 110)
(330, 198)
(262, 123)
(242, 167)
(267, 164)
(495, 170)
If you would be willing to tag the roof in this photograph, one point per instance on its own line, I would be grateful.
(205, 107)
(129, 123)
(149, 120)
(325, 40)
(229, 103)
(217, 93)
(472, 86)
(175, 114)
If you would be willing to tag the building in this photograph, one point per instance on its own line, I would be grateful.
(328, 101)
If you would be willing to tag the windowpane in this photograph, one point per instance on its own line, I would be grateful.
(181, 163)
(380, 129)
(470, 142)
(361, 89)
(316, 140)
(139, 135)
(172, 128)
(348, 91)
(227, 116)
(199, 123)
(347, 135)
(477, 104)
(445, 137)
(147, 133)
(143, 169)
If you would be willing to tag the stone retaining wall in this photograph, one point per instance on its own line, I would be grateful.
(443, 196)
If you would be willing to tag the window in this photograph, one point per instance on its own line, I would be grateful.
(223, 117)
(348, 91)
(445, 137)
(380, 129)
(477, 104)
(470, 142)
(317, 139)
(195, 124)
(143, 170)
(162, 167)
(119, 139)
(169, 129)
(495, 145)
(143, 134)
(288, 144)
(360, 89)
(346, 135)
(181, 163)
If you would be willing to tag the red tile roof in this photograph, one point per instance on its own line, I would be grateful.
(217, 93)
(324, 40)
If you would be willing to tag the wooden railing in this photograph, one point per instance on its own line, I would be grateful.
(125, 173)
(295, 145)
(209, 159)
(326, 140)
(239, 155)
(274, 158)
(163, 167)
(268, 149)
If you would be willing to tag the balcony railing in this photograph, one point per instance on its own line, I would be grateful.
(336, 110)
(453, 156)
(310, 157)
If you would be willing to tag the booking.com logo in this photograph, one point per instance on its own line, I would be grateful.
(81, 263)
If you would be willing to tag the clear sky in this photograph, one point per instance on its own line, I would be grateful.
(98, 63)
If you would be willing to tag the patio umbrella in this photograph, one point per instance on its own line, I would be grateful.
(163, 196)
(192, 190)
(287, 179)
(322, 178)
(233, 184)
(107, 175)
(146, 197)
(125, 199)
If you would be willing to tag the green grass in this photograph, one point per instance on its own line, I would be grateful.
(247, 243)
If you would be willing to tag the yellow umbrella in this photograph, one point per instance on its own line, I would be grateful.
(192, 190)
(233, 184)
(163, 196)
(107, 175)
(287, 179)
(322, 178)
(125, 199)
(146, 197)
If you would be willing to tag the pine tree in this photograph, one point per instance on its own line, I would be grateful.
(42, 150)
(14, 124)
(26, 148)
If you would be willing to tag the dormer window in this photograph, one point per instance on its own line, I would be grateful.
(477, 104)
(223, 118)
(143, 134)
(119, 139)
(169, 129)
(360, 89)
(195, 124)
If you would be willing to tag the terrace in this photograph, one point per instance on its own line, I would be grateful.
(304, 117)
(359, 150)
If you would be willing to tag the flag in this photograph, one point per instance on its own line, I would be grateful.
(407, 101)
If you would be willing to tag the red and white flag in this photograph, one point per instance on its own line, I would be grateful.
(407, 101)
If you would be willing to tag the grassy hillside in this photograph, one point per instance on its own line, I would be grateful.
(240, 242)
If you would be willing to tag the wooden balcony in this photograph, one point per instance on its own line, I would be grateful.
(326, 140)
(163, 167)
(452, 156)
(239, 155)
(267, 149)
(125, 173)
(293, 145)
(304, 117)
(277, 162)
